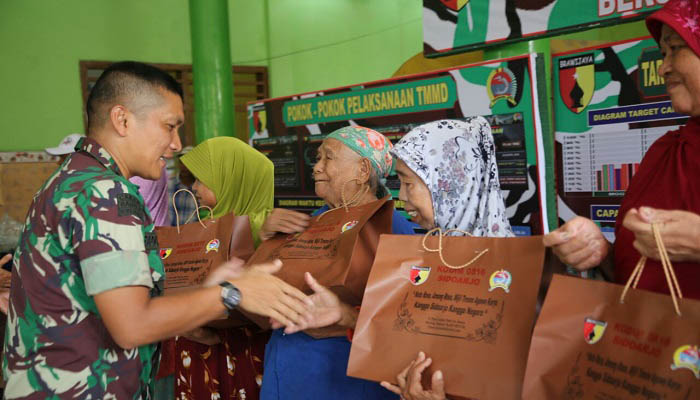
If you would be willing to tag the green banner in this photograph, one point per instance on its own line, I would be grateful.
(423, 95)
(453, 26)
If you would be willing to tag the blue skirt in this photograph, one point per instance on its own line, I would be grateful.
(300, 367)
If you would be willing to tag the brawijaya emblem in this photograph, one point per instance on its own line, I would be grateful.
(593, 330)
(165, 252)
(419, 275)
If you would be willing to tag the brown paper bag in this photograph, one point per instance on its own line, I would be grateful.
(588, 345)
(192, 250)
(474, 321)
(338, 248)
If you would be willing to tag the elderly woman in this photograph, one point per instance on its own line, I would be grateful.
(449, 179)
(666, 189)
(352, 163)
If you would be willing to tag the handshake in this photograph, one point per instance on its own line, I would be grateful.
(264, 294)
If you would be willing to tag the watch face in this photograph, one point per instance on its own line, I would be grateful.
(230, 295)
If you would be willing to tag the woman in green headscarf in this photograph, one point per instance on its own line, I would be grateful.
(226, 363)
(232, 177)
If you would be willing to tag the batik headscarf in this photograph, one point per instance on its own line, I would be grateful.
(457, 161)
(241, 178)
(683, 16)
(369, 144)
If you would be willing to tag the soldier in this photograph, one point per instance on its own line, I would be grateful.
(85, 311)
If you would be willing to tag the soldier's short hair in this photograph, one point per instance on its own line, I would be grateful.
(133, 84)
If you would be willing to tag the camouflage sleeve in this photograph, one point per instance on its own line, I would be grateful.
(107, 223)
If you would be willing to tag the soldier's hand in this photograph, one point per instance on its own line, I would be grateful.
(231, 269)
(579, 243)
(266, 295)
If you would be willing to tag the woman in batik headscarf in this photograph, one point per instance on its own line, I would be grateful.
(449, 177)
(449, 180)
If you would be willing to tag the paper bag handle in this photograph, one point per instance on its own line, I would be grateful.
(196, 211)
(670, 274)
(345, 203)
(439, 249)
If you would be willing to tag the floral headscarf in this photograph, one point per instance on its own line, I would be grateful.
(457, 161)
(681, 15)
(369, 144)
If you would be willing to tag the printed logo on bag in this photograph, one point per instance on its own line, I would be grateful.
(164, 253)
(500, 279)
(348, 225)
(687, 357)
(419, 275)
(501, 84)
(213, 245)
(593, 330)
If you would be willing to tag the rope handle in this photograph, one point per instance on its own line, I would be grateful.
(345, 204)
(195, 212)
(439, 250)
(670, 274)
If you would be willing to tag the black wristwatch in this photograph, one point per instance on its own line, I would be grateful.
(230, 295)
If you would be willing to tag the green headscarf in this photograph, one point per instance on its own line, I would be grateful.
(241, 178)
(369, 144)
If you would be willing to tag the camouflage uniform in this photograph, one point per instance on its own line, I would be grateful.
(87, 231)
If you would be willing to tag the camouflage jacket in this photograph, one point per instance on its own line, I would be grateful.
(87, 231)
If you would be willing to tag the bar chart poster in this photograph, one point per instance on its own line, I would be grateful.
(610, 105)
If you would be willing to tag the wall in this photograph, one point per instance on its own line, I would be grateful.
(340, 42)
(43, 42)
(314, 44)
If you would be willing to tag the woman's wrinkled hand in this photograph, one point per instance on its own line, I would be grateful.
(579, 243)
(409, 381)
(284, 221)
(327, 310)
(679, 230)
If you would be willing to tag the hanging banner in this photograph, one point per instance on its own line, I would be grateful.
(610, 105)
(452, 26)
(505, 92)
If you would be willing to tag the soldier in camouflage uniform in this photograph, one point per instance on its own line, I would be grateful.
(85, 310)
